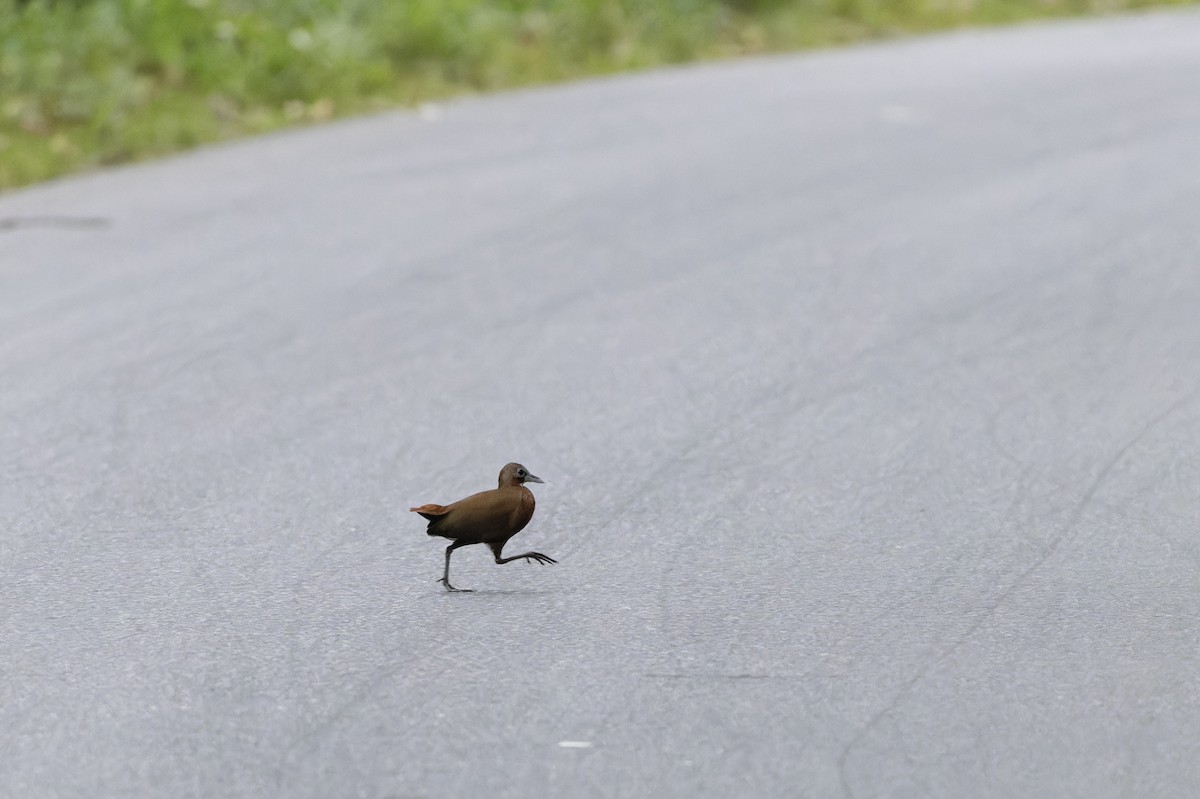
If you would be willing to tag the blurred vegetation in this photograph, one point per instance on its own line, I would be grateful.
(91, 82)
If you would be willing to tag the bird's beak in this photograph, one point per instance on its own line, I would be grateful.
(533, 478)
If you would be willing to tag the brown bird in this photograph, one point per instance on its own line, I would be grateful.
(489, 517)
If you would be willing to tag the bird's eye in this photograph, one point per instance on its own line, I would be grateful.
(521, 472)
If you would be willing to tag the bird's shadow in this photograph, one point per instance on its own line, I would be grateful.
(493, 592)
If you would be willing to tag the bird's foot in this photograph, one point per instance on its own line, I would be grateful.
(540, 558)
(451, 588)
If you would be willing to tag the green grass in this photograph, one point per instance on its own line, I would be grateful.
(84, 83)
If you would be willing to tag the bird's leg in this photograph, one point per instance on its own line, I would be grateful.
(536, 556)
(446, 575)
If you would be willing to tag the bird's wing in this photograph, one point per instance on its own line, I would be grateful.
(487, 510)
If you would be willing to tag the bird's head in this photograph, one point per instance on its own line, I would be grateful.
(514, 474)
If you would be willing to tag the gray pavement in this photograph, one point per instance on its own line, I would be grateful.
(865, 385)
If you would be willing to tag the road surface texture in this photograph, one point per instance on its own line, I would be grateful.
(866, 387)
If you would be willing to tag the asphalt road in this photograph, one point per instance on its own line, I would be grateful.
(866, 387)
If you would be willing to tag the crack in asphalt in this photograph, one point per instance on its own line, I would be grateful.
(1076, 517)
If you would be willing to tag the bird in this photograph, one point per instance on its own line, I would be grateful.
(489, 517)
